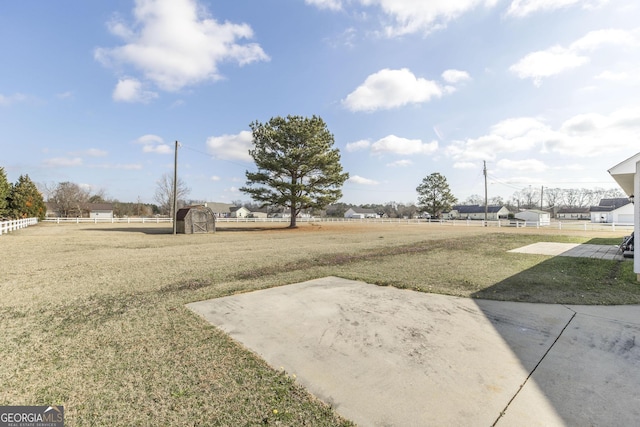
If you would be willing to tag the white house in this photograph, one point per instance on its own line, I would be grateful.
(477, 212)
(259, 214)
(618, 210)
(239, 212)
(573, 213)
(360, 213)
(535, 216)
(220, 210)
(100, 210)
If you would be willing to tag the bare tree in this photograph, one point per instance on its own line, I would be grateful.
(613, 193)
(570, 197)
(69, 199)
(164, 193)
(496, 201)
(553, 196)
(474, 199)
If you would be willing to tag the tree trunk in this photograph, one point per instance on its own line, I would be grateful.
(292, 224)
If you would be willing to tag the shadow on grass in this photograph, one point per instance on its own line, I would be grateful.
(143, 230)
(594, 356)
(169, 230)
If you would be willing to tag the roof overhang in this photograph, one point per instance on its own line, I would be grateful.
(624, 174)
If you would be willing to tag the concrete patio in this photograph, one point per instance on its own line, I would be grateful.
(382, 356)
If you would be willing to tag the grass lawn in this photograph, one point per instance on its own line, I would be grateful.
(94, 318)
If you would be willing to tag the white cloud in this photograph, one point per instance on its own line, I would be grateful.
(326, 4)
(613, 76)
(465, 165)
(6, 100)
(583, 135)
(400, 163)
(455, 76)
(532, 165)
(158, 149)
(546, 63)
(153, 144)
(149, 139)
(360, 180)
(389, 89)
(175, 43)
(121, 166)
(522, 8)
(65, 95)
(557, 59)
(403, 146)
(215, 178)
(91, 152)
(63, 162)
(596, 39)
(362, 144)
(415, 16)
(130, 90)
(230, 147)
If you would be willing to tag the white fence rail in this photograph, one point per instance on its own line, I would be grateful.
(153, 220)
(557, 225)
(16, 224)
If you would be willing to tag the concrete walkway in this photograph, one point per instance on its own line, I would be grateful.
(381, 356)
(572, 250)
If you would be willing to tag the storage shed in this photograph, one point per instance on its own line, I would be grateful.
(195, 219)
(535, 216)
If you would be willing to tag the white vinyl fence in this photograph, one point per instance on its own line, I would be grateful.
(153, 220)
(16, 224)
(557, 225)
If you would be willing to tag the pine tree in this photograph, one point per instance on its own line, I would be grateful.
(298, 168)
(5, 192)
(434, 194)
(25, 200)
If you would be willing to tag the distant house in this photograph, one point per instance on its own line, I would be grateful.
(99, 210)
(494, 212)
(239, 212)
(360, 213)
(82, 210)
(259, 213)
(573, 214)
(221, 210)
(618, 210)
(535, 216)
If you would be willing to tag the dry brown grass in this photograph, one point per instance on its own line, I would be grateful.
(94, 316)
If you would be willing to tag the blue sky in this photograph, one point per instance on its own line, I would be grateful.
(545, 91)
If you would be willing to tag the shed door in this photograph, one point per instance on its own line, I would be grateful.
(199, 221)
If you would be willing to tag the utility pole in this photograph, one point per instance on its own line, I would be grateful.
(486, 198)
(541, 196)
(175, 190)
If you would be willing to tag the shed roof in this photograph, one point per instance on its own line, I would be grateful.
(183, 212)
